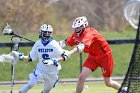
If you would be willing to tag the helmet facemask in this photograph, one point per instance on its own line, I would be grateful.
(79, 30)
(46, 33)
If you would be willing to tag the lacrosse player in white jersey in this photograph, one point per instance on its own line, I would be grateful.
(48, 51)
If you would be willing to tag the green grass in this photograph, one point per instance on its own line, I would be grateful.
(94, 87)
(119, 35)
(71, 68)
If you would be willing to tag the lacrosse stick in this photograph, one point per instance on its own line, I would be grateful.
(8, 31)
(132, 12)
(15, 40)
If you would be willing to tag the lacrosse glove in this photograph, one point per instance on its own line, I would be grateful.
(80, 47)
(21, 56)
(50, 62)
(66, 55)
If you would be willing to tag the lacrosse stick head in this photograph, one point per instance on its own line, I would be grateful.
(16, 40)
(132, 12)
(7, 30)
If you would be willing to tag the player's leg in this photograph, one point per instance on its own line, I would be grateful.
(84, 74)
(114, 84)
(107, 65)
(30, 84)
(111, 83)
(50, 82)
(89, 66)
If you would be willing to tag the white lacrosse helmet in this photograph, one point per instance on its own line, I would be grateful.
(80, 21)
(46, 27)
(46, 32)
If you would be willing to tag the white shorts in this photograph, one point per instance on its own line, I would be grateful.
(49, 80)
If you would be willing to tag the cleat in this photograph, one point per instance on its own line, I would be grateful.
(124, 89)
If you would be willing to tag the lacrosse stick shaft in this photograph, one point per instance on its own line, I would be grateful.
(15, 47)
(81, 61)
(12, 75)
(12, 81)
(24, 38)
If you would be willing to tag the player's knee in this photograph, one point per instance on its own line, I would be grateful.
(30, 85)
(82, 78)
(109, 84)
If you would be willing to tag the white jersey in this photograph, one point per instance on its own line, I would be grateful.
(41, 52)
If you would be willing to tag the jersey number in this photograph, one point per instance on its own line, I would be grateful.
(45, 56)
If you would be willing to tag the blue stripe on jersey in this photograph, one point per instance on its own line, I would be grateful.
(35, 73)
(55, 83)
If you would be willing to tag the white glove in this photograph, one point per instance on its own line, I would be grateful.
(17, 55)
(80, 47)
(62, 43)
(50, 62)
(66, 54)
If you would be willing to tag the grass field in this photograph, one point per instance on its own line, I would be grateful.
(70, 69)
(93, 87)
(72, 65)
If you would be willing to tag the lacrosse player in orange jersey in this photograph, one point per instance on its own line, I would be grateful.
(92, 42)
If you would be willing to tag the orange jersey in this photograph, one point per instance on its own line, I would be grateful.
(95, 44)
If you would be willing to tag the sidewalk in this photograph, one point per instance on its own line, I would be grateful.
(70, 80)
(91, 79)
